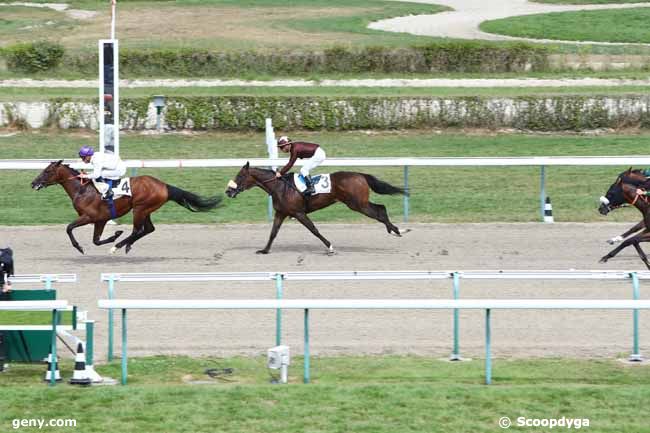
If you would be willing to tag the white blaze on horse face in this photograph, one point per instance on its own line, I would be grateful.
(232, 184)
(604, 200)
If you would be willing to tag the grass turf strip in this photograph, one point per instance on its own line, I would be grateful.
(438, 194)
(614, 25)
(360, 394)
(41, 94)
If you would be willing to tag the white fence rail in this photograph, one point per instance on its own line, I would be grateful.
(455, 276)
(39, 164)
(411, 304)
(540, 161)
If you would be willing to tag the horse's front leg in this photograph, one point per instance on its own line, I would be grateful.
(81, 221)
(636, 228)
(97, 234)
(643, 237)
(642, 254)
(277, 222)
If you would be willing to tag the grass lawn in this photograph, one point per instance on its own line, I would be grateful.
(347, 394)
(215, 24)
(614, 25)
(15, 94)
(32, 318)
(464, 194)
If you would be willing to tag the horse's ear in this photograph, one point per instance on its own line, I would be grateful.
(629, 170)
(58, 162)
(248, 163)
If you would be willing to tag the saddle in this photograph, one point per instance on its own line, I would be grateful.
(122, 187)
(322, 183)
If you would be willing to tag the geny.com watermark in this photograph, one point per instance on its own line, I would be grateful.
(41, 423)
(522, 421)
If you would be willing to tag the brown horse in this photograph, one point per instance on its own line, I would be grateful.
(620, 193)
(147, 195)
(352, 189)
(638, 176)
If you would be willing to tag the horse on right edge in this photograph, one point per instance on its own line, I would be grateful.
(624, 192)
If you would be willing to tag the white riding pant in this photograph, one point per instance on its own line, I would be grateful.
(119, 172)
(313, 162)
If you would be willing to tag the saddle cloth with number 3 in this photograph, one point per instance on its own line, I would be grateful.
(322, 183)
(123, 188)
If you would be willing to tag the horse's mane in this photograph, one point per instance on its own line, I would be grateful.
(643, 181)
(75, 172)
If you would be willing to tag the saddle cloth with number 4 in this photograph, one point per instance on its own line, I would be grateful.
(322, 183)
(122, 188)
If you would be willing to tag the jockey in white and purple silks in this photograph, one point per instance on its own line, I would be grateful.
(107, 168)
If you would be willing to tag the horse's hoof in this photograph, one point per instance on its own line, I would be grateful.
(603, 260)
(262, 252)
(113, 250)
(81, 250)
(614, 240)
(127, 249)
(118, 234)
(330, 250)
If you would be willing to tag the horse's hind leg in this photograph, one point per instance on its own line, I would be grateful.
(148, 228)
(138, 229)
(377, 212)
(382, 216)
(305, 221)
(97, 234)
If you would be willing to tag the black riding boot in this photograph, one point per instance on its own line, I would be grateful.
(310, 186)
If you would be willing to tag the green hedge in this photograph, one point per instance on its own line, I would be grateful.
(235, 113)
(33, 57)
(440, 57)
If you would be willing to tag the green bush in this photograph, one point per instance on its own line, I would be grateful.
(433, 58)
(248, 113)
(33, 57)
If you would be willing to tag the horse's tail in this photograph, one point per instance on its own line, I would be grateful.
(381, 187)
(192, 201)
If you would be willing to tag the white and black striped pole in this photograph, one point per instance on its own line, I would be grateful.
(548, 211)
(48, 374)
(80, 376)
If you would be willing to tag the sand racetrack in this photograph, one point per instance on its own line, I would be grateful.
(223, 248)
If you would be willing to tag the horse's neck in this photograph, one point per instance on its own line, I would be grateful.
(71, 184)
(264, 179)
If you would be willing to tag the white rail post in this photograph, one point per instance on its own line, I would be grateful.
(636, 353)
(271, 146)
(542, 190)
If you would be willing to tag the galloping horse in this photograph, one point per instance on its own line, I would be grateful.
(621, 192)
(636, 175)
(147, 195)
(352, 189)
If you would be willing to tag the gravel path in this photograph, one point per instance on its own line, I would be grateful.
(222, 248)
(464, 20)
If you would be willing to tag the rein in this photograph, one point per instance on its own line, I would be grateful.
(636, 198)
(81, 179)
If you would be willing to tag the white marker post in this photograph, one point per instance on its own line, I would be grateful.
(272, 148)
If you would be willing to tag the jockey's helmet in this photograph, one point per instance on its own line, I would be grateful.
(283, 140)
(86, 151)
